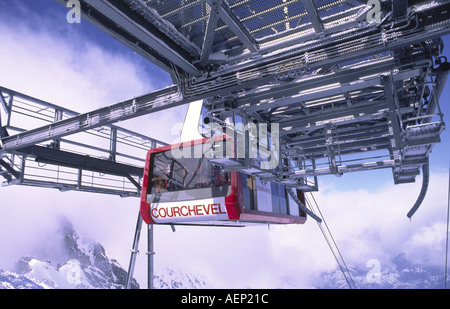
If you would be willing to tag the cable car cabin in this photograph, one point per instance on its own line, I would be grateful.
(189, 189)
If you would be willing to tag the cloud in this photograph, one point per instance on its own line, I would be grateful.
(366, 224)
(427, 244)
(45, 57)
(54, 62)
(258, 257)
(373, 224)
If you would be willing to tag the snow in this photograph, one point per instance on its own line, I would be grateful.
(10, 280)
(47, 275)
(87, 267)
(175, 279)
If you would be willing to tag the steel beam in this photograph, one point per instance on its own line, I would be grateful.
(236, 26)
(210, 30)
(311, 81)
(313, 15)
(153, 102)
(296, 35)
(159, 43)
(345, 136)
(9, 168)
(156, 101)
(346, 168)
(393, 115)
(3, 103)
(69, 187)
(165, 27)
(440, 81)
(84, 162)
(134, 251)
(111, 16)
(313, 96)
(150, 256)
(340, 49)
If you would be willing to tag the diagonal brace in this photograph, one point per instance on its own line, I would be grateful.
(313, 15)
(236, 26)
(210, 31)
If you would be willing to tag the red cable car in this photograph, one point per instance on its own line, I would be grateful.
(190, 189)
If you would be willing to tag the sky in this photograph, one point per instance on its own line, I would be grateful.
(79, 67)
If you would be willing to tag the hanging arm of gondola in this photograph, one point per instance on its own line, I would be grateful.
(302, 206)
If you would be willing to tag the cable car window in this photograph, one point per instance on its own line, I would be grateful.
(248, 192)
(176, 179)
(271, 197)
(263, 195)
(275, 198)
(283, 200)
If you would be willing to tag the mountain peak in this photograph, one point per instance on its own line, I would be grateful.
(86, 265)
(82, 263)
(174, 279)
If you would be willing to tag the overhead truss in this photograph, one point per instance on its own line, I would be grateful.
(353, 85)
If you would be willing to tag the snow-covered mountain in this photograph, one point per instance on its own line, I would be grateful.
(399, 273)
(85, 266)
(10, 280)
(173, 279)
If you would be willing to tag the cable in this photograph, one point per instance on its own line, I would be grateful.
(326, 225)
(330, 245)
(303, 207)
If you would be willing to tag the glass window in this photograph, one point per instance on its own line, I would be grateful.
(263, 195)
(248, 192)
(169, 174)
(282, 200)
(275, 198)
(270, 197)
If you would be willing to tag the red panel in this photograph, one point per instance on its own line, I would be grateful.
(145, 206)
(232, 200)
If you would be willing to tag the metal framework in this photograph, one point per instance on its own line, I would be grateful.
(354, 85)
(107, 159)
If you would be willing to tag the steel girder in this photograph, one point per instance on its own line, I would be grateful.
(108, 159)
(338, 83)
